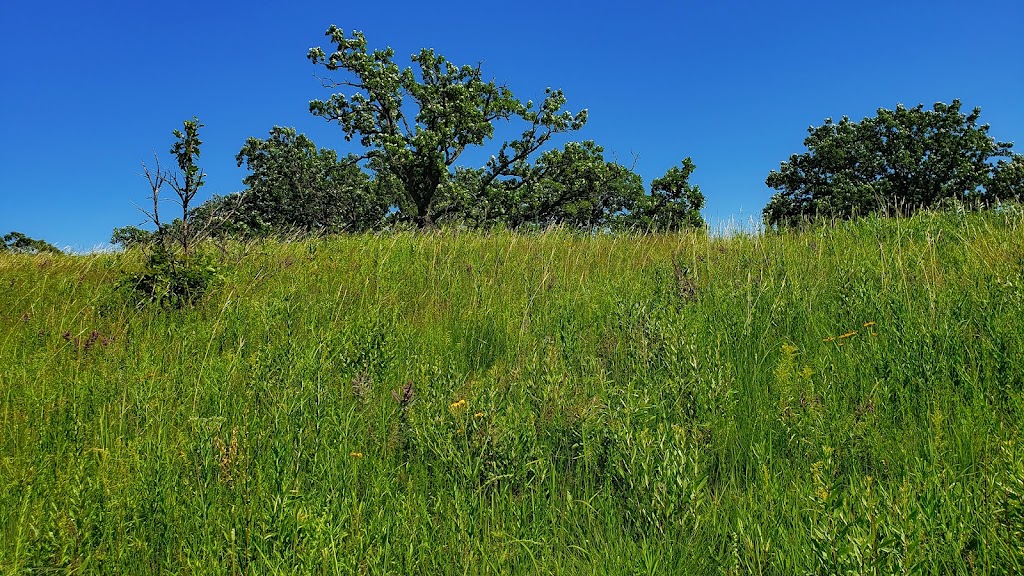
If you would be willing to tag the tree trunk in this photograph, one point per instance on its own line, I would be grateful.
(424, 221)
(424, 201)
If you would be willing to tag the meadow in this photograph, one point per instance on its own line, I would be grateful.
(838, 399)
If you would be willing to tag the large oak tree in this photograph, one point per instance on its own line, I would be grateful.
(416, 123)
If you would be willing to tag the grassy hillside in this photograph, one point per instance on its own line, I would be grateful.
(844, 398)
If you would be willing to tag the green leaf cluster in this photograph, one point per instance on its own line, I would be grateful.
(131, 236)
(168, 280)
(673, 203)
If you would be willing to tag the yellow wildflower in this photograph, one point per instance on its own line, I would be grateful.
(460, 404)
(848, 334)
(478, 415)
(869, 324)
(356, 454)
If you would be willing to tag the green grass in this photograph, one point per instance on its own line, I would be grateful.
(672, 404)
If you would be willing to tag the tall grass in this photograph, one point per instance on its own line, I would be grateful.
(844, 399)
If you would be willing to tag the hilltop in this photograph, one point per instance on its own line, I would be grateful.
(842, 397)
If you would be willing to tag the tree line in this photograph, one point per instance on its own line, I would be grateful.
(414, 124)
(19, 243)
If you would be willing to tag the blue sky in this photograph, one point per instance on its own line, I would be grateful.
(91, 89)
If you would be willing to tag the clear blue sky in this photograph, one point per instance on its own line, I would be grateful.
(90, 89)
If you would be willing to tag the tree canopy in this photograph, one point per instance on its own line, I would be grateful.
(296, 187)
(573, 186)
(673, 203)
(22, 244)
(900, 160)
(415, 124)
(1007, 179)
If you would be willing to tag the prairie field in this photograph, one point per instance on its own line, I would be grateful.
(838, 399)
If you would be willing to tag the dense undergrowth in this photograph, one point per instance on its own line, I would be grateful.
(843, 399)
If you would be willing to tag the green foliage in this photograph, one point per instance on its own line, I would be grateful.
(131, 237)
(168, 280)
(898, 161)
(295, 187)
(1007, 179)
(416, 124)
(577, 187)
(673, 203)
(20, 243)
(186, 185)
(573, 186)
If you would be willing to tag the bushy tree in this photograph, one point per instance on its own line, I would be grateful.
(673, 203)
(22, 244)
(573, 186)
(131, 237)
(1007, 180)
(296, 187)
(900, 160)
(415, 124)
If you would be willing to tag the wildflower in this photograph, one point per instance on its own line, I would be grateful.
(478, 415)
(840, 337)
(356, 454)
(362, 384)
(460, 404)
(869, 324)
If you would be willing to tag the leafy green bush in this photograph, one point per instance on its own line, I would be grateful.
(171, 280)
